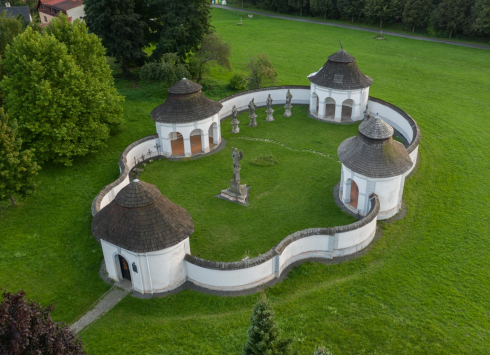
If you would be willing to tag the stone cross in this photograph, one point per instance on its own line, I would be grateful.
(234, 121)
(252, 115)
(269, 110)
(288, 106)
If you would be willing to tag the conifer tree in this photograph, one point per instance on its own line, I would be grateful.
(17, 167)
(263, 334)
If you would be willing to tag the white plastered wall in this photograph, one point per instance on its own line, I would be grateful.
(320, 94)
(157, 271)
(389, 191)
(165, 131)
(76, 13)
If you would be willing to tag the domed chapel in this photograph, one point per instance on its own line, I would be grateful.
(145, 236)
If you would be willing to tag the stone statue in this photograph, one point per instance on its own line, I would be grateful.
(288, 106)
(367, 114)
(269, 110)
(236, 192)
(234, 121)
(252, 115)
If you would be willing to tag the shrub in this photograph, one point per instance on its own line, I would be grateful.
(238, 82)
(168, 70)
(265, 160)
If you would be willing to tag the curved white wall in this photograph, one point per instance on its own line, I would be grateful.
(156, 271)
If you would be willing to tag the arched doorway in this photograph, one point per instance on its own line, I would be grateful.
(354, 194)
(196, 141)
(177, 143)
(330, 109)
(347, 106)
(126, 274)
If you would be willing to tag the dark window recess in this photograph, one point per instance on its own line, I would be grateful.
(45, 19)
(135, 269)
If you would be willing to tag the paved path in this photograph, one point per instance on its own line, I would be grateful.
(420, 38)
(108, 301)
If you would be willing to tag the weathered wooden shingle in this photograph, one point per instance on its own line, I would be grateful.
(373, 152)
(141, 219)
(185, 103)
(341, 72)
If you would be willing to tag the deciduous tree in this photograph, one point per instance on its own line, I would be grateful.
(261, 71)
(481, 17)
(452, 15)
(27, 328)
(17, 166)
(121, 29)
(212, 49)
(349, 9)
(62, 94)
(264, 334)
(415, 13)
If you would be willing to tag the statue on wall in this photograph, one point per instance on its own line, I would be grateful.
(367, 114)
(252, 115)
(288, 106)
(269, 110)
(234, 121)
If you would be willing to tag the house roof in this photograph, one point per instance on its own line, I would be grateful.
(61, 4)
(185, 103)
(341, 72)
(141, 219)
(14, 11)
(373, 152)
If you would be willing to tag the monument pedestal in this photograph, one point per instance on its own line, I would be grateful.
(288, 112)
(253, 120)
(240, 196)
(269, 118)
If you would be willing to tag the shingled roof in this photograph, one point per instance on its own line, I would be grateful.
(185, 103)
(141, 219)
(341, 72)
(373, 152)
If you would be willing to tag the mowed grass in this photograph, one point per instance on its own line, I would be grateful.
(423, 287)
(292, 195)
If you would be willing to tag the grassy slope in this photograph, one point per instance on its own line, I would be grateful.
(422, 288)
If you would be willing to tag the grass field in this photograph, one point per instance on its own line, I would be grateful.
(423, 287)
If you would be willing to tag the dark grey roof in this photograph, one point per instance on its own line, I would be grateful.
(185, 103)
(341, 72)
(376, 158)
(141, 219)
(376, 128)
(15, 11)
(185, 86)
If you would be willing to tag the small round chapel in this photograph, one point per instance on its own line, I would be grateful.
(144, 238)
(339, 90)
(188, 123)
(372, 162)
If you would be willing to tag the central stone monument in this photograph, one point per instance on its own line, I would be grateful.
(236, 192)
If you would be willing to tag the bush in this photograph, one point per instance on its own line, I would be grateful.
(238, 82)
(265, 160)
(168, 70)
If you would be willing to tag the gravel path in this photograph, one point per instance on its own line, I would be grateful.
(103, 306)
(420, 38)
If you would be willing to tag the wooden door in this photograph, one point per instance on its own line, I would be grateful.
(126, 274)
(354, 194)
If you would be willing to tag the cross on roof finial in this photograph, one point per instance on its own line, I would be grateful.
(341, 44)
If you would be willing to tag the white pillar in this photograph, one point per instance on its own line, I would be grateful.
(356, 115)
(217, 133)
(313, 102)
(187, 146)
(321, 109)
(205, 141)
(338, 112)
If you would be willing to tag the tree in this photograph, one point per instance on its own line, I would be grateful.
(62, 94)
(10, 27)
(120, 28)
(415, 13)
(349, 9)
(379, 10)
(321, 7)
(27, 328)
(261, 71)
(481, 17)
(452, 15)
(178, 26)
(298, 5)
(17, 167)
(263, 334)
(168, 70)
(212, 49)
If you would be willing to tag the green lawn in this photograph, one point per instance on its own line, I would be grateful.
(301, 180)
(423, 287)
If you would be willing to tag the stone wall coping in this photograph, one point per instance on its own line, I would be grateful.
(124, 168)
(241, 93)
(415, 127)
(279, 248)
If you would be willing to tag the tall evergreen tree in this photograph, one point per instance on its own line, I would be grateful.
(452, 15)
(121, 29)
(178, 26)
(17, 167)
(263, 334)
(415, 13)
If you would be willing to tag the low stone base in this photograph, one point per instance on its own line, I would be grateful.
(287, 112)
(236, 197)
